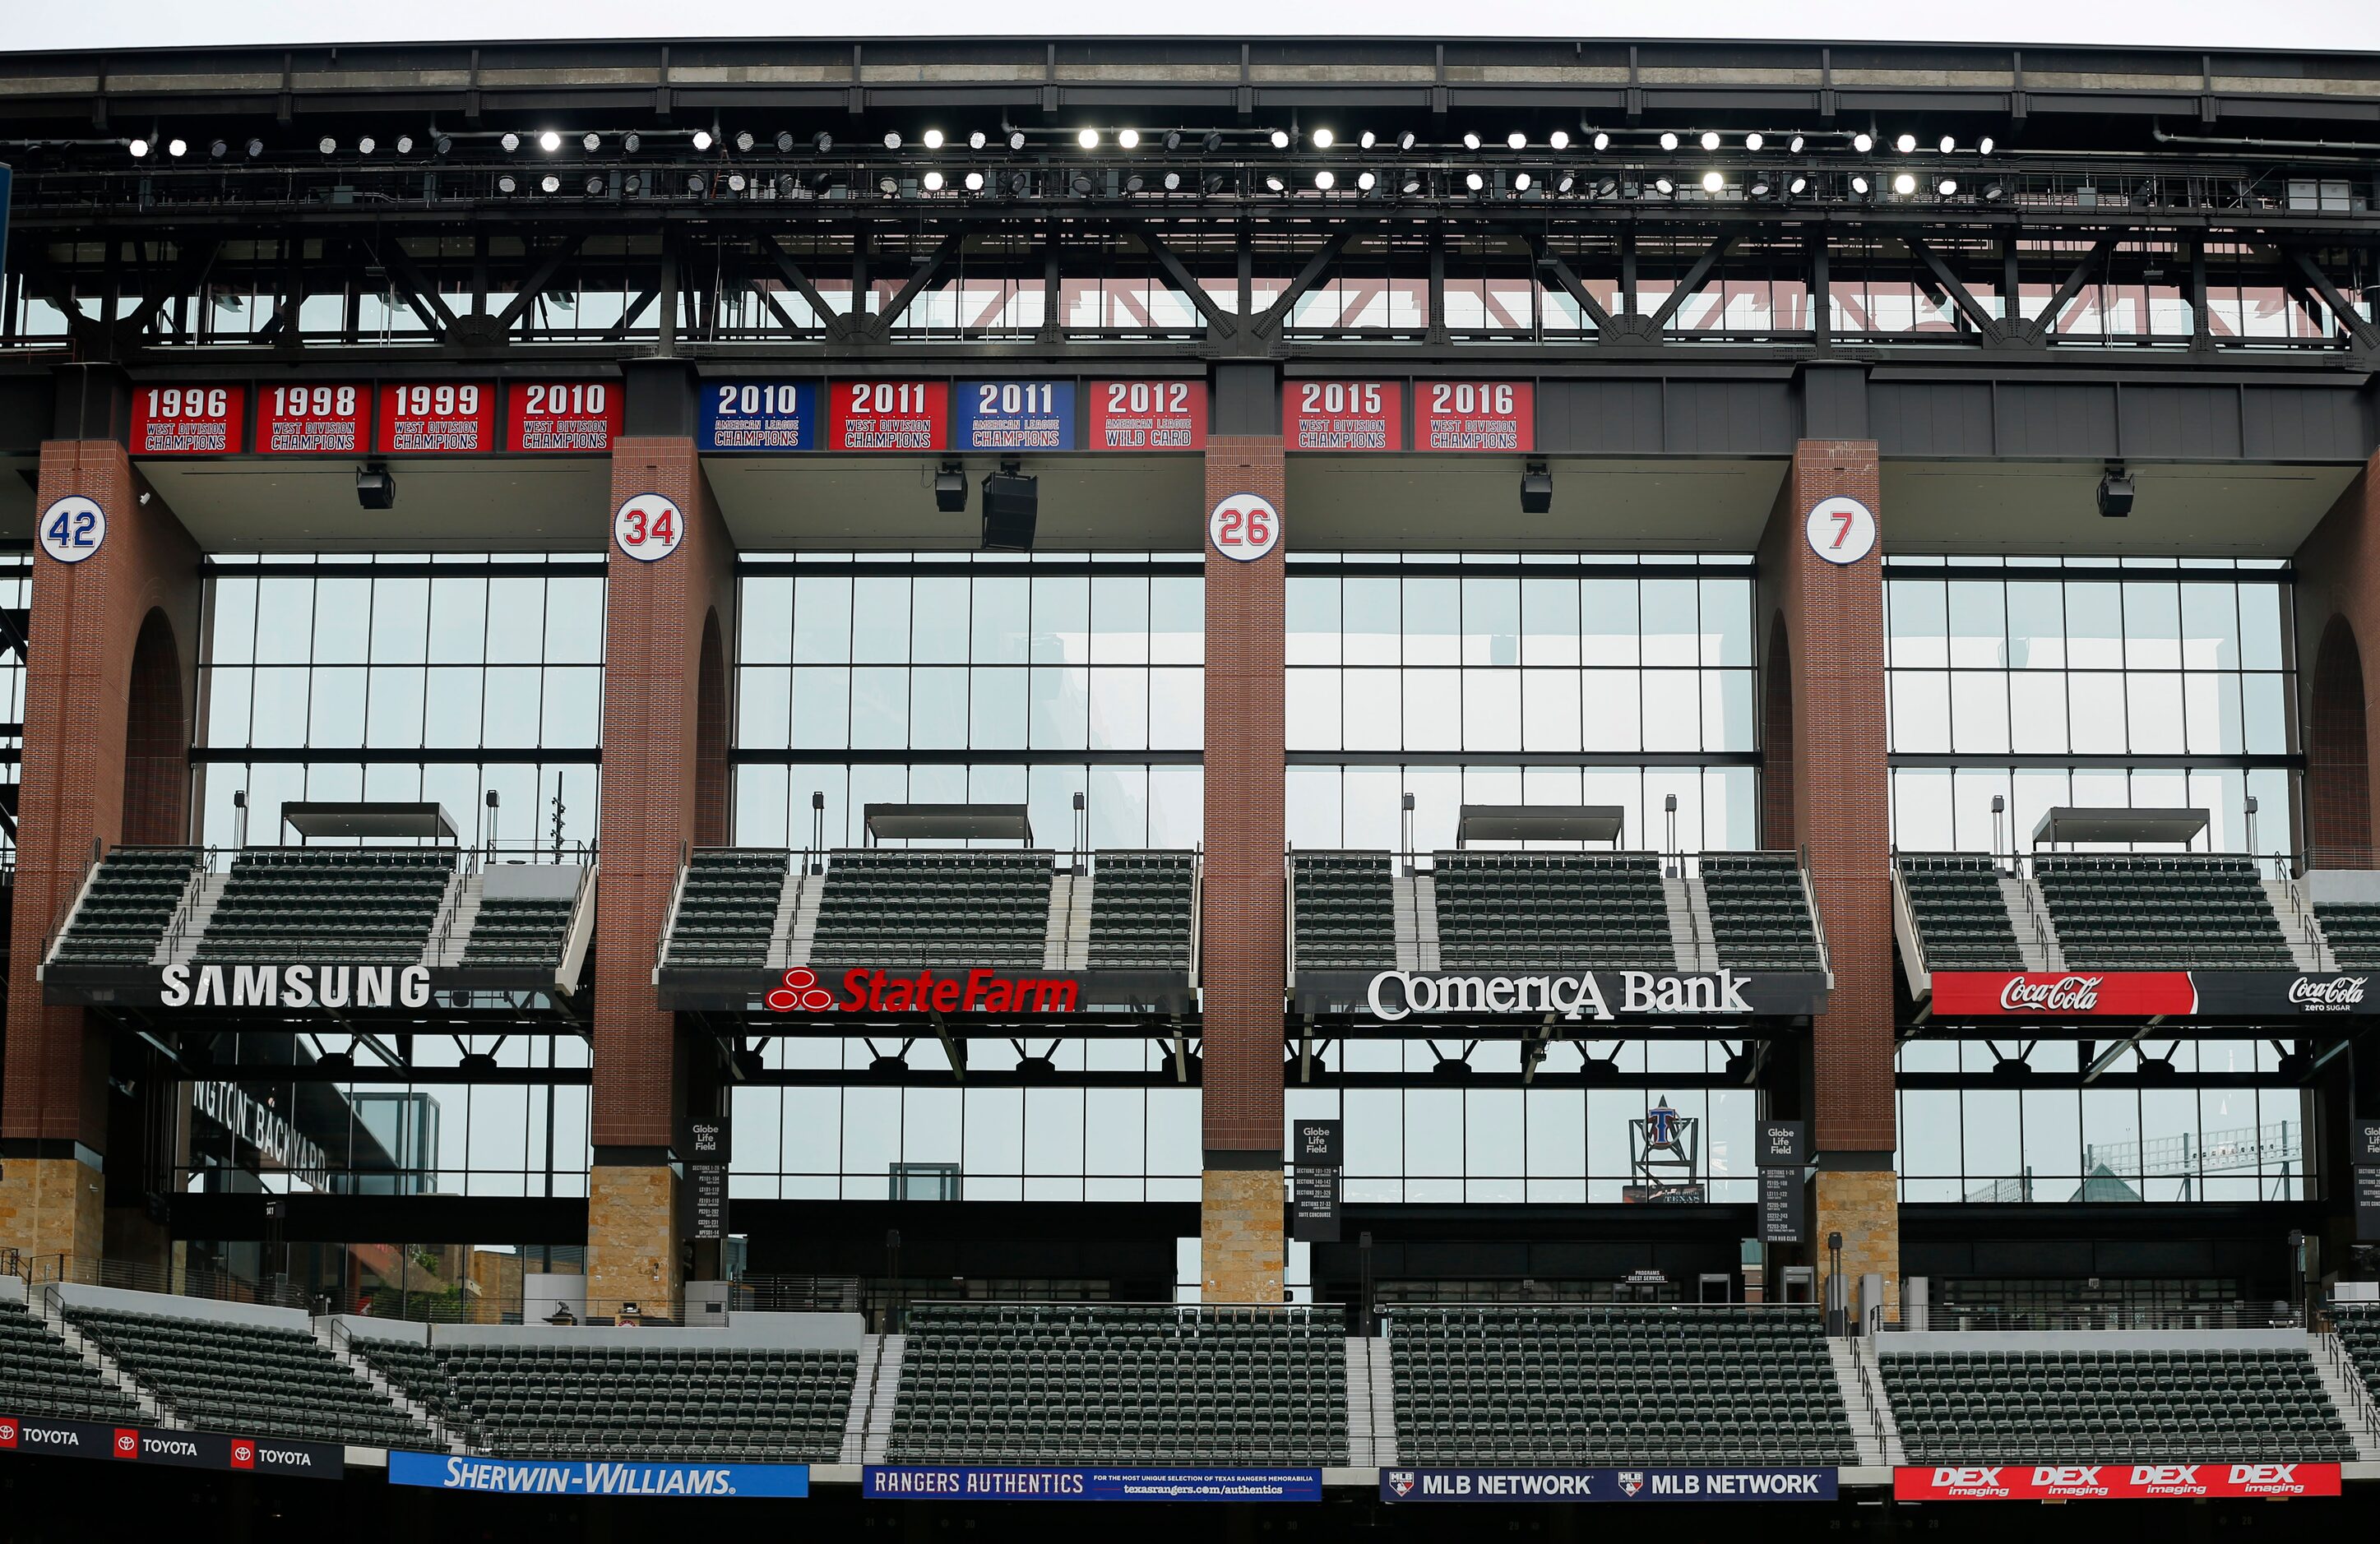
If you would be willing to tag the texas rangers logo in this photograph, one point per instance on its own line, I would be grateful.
(1400, 1481)
(1631, 1481)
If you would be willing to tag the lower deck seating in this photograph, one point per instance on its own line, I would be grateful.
(1156, 1383)
(1760, 911)
(41, 1375)
(254, 1379)
(1614, 1385)
(727, 906)
(2358, 1331)
(413, 1369)
(517, 932)
(765, 1405)
(2111, 1405)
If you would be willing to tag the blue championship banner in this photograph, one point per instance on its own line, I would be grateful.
(1608, 1485)
(627, 1478)
(1012, 416)
(965, 1482)
(758, 415)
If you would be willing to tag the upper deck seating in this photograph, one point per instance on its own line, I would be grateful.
(2132, 912)
(129, 903)
(1141, 906)
(1760, 911)
(1961, 915)
(934, 906)
(1558, 911)
(343, 905)
(1345, 911)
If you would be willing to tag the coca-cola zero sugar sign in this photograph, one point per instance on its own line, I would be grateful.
(2142, 994)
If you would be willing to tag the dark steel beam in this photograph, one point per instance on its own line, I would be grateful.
(1220, 322)
(2047, 322)
(1571, 284)
(1692, 281)
(535, 284)
(925, 275)
(2347, 317)
(1308, 277)
(1969, 307)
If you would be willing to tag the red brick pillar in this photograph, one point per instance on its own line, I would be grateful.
(1243, 957)
(1830, 617)
(657, 616)
(136, 598)
(2338, 625)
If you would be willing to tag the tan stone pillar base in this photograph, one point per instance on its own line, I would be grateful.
(53, 1206)
(1242, 1252)
(1864, 1205)
(632, 1253)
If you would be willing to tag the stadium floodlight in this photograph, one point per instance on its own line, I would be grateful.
(594, 187)
(1281, 138)
(1983, 145)
(744, 139)
(933, 182)
(631, 143)
(1324, 180)
(1366, 182)
(1602, 141)
(1474, 181)
(703, 141)
(1088, 139)
(1128, 138)
(1993, 192)
(1794, 145)
(444, 144)
(1713, 182)
(1668, 141)
(1211, 183)
(1606, 187)
(1905, 144)
(326, 145)
(975, 141)
(1516, 140)
(590, 143)
(1567, 181)
(1753, 141)
(892, 140)
(2116, 491)
(1173, 182)
(1904, 184)
(1082, 184)
(1409, 184)
(1212, 142)
(1471, 141)
(1406, 141)
(1862, 142)
(364, 146)
(1948, 144)
(1520, 182)
(1016, 138)
(1798, 187)
(888, 186)
(1558, 139)
(551, 183)
(505, 184)
(549, 141)
(218, 150)
(1664, 186)
(1758, 188)
(139, 149)
(1859, 186)
(1172, 140)
(1710, 138)
(510, 142)
(177, 148)
(931, 139)
(1947, 186)
(975, 182)
(1324, 138)
(1273, 185)
(1366, 139)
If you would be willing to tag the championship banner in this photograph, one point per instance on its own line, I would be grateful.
(2141, 994)
(313, 420)
(1608, 1485)
(1014, 415)
(1343, 414)
(2074, 1483)
(758, 415)
(182, 1450)
(443, 418)
(563, 416)
(963, 1482)
(556, 1478)
(189, 420)
(1474, 416)
(1147, 415)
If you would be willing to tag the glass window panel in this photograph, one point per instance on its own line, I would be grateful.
(1177, 620)
(763, 815)
(2155, 699)
(821, 708)
(1119, 620)
(2267, 713)
(1727, 711)
(1310, 707)
(1493, 1132)
(342, 621)
(1372, 809)
(938, 708)
(764, 621)
(1432, 618)
(1929, 1132)
(2261, 608)
(879, 708)
(513, 709)
(1491, 710)
(338, 716)
(285, 621)
(1310, 608)
(1673, 716)
(996, 709)
(1727, 621)
(2152, 625)
(278, 713)
(574, 705)
(228, 704)
(2094, 626)
(1177, 708)
(1614, 712)
(458, 621)
(1549, 621)
(1921, 809)
(2037, 712)
(879, 620)
(822, 621)
(1372, 613)
(940, 621)
(1062, 620)
(1609, 612)
(393, 718)
(1059, 710)
(1312, 811)
(232, 626)
(1978, 623)
(2036, 625)
(1433, 709)
(1371, 711)
(2210, 627)
(2097, 699)
(515, 621)
(1671, 625)
(1491, 622)
(1731, 808)
(1979, 719)
(454, 698)
(1117, 805)
(1119, 706)
(764, 697)
(1921, 627)
(1549, 708)
(1177, 815)
(1001, 620)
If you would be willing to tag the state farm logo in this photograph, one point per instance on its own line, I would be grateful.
(2316, 991)
(128, 1442)
(800, 993)
(2066, 995)
(242, 1454)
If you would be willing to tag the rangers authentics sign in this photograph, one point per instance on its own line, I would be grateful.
(2079, 1482)
(1600, 996)
(2141, 994)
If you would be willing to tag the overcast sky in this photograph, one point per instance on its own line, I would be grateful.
(121, 24)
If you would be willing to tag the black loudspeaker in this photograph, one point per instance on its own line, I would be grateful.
(1011, 503)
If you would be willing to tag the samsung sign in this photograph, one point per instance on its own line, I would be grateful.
(1601, 995)
(554, 1478)
(293, 986)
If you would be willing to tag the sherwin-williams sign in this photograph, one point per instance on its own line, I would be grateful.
(627, 1478)
(960, 1482)
(1608, 1485)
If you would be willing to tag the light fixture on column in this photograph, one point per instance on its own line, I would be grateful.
(1012, 504)
(1537, 489)
(375, 486)
(950, 488)
(2116, 491)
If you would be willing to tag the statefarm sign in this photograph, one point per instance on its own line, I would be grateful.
(976, 991)
(2142, 994)
(2075, 1482)
(1601, 995)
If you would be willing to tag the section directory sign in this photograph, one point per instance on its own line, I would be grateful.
(1783, 1484)
(968, 1482)
(888, 415)
(1784, 1207)
(437, 418)
(1016, 415)
(1147, 415)
(758, 415)
(1342, 416)
(1466, 415)
(189, 420)
(562, 415)
(313, 420)
(625, 1476)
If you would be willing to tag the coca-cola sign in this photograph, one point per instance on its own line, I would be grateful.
(2066, 994)
(2327, 993)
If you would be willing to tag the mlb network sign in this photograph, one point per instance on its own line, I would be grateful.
(1608, 1485)
(2075, 1482)
(708, 1481)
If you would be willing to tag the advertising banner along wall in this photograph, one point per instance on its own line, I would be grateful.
(2076, 1482)
(591, 1477)
(2140, 993)
(962, 1482)
(184, 1449)
(1608, 1485)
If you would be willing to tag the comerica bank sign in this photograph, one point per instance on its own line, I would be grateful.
(1602, 996)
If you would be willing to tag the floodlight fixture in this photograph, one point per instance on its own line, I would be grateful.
(510, 141)
(590, 143)
(975, 182)
(1129, 138)
(1279, 139)
(933, 182)
(1948, 145)
(1794, 145)
(1471, 141)
(327, 145)
(975, 141)
(1753, 141)
(1323, 180)
(1558, 139)
(892, 140)
(702, 139)
(139, 149)
(1602, 141)
(1364, 182)
(932, 139)
(1323, 138)
(1016, 138)
(1406, 141)
(1664, 186)
(1668, 141)
(177, 148)
(1862, 142)
(1710, 138)
(549, 141)
(1516, 140)
(1366, 139)
(1905, 144)
(1904, 184)
(1474, 181)
(1713, 182)
(1983, 145)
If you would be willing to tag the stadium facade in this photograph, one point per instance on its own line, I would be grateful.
(1378, 673)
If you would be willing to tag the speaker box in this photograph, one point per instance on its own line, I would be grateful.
(1010, 503)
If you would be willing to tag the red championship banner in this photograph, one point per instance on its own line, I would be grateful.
(563, 416)
(1342, 416)
(313, 420)
(189, 420)
(1474, 416)
(2070, 994)
(888, 416)
(437, 418)
(2078, 1482)
(1147, 415)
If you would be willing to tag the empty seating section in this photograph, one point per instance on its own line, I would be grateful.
(727, 906)
(2358, 1331)
(1559, 910)
(1345, 911)
(413, 1369)
(1961, 915)
(934, 906)
(2134, 912)
(250, 1379)
(41, 1375)
(353, 905)
(1614, 1385)
(520, 932)
(570, 1401)
(1140, 911)
(2110, 1405)
(130, 902)
(2353, 930)
(1122, 1384)
(1760, 911)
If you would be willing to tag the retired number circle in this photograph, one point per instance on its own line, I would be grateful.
(1245, 527)
(73, 527)
(648, 527)
(1842, 529)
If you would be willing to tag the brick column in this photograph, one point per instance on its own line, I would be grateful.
(655, 620)
(137, 598)
(2337, 624)
(1244, 958)
(1830, 619)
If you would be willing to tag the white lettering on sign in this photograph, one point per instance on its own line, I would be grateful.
(1245, 527)
(262, 1127)
(1571, 997)
(2066, 994)
(2337, 991)
(293, 986)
